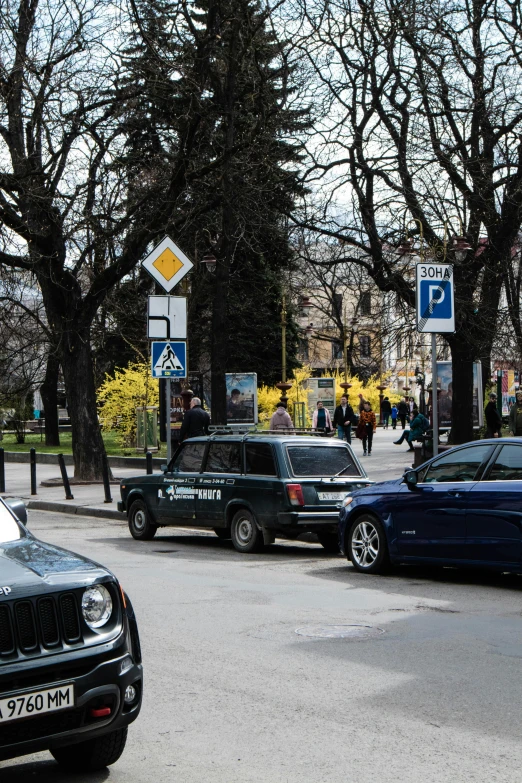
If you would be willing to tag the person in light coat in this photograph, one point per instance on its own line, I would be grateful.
(281, 419)
(321, 419)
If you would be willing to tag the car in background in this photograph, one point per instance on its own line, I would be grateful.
(70, 662)
(250, 488)
(463, 507)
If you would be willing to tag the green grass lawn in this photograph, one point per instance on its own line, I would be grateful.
(37, 442)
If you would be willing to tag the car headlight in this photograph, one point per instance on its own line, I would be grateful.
(347, 501)
(96, 606)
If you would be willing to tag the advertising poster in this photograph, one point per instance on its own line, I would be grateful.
(321, 389)
(241, 397)
(508, 391)
(445, 395)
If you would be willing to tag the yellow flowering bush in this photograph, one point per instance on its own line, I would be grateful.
(119, 396)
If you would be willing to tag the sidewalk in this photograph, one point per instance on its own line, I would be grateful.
(386, 462)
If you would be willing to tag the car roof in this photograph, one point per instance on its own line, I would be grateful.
(294, 440)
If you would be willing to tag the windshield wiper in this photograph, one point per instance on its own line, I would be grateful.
(342, 471)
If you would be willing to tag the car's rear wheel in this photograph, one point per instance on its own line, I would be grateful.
(329, 542)
(223, 533)
(246, 536)
(141, 525)
(367, 547)
(93, 754)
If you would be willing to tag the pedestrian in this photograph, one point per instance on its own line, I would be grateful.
(515, 416)
(403, 410)
(493, 418)
(195, 422)
(362, 402)
(366, 427)
(394, 414)
(418, 426)
(386, 411)
(414, 408)
(321, 419)
(343, 418)
(280, 419)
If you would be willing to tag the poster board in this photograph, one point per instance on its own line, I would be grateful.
(241, 398)
(445, 395)
(321, 390)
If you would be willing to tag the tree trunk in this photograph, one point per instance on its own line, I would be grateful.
(462, 394)
(87, 442)
(219, 346)
(49, 392)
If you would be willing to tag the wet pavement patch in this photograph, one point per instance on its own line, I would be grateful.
(340, 631)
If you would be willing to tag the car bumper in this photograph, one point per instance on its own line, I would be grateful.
(309, 520)
(101, 683)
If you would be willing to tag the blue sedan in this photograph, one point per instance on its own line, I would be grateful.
(463, 507)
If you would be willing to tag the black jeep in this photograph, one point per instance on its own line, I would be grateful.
(250, 488)
(70, 661)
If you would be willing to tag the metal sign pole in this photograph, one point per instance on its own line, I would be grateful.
(434, 397)
(167, 418)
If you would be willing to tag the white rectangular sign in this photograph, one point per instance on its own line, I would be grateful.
(167, 318)
(435, 297)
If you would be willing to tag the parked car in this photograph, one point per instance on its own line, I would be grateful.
(70, 661)
(463, 507)
(251, 489)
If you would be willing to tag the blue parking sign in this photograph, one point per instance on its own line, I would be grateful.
(435, 298)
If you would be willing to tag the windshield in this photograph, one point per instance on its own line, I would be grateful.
(324, 461)
(9, 529)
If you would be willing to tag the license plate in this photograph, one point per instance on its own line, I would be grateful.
(27, 705)
(332, 495)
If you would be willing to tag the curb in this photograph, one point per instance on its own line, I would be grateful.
(66, 508)
(44, 458)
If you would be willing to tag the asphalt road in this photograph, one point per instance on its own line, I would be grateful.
(232, 693)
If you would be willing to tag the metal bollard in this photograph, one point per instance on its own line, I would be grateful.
(32, 458)
(2, 471)
(106, 482)
(65, 478)
(148, 462)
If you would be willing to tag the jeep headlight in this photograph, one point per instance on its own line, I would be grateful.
(96, 606)
(347, 501)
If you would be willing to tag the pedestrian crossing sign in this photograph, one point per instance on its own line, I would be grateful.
(169, 359)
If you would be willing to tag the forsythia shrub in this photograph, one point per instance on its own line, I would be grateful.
(119, 396)
(269, 396)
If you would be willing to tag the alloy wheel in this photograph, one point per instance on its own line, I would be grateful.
(365, 544)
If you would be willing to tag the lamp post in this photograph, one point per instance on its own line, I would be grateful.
(345, 385)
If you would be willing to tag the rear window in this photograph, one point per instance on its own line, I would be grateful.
(259, 459)
(322, 461)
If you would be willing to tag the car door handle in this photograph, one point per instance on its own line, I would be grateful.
(455, 493)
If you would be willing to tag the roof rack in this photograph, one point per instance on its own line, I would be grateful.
(222, 429)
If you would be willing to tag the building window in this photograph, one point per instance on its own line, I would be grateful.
(365, 303)
(337, 306)
(337, 349)
(365, 346)
(304, 349)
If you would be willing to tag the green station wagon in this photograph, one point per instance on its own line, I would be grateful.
(251, 488)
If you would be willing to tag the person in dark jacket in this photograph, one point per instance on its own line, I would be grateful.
(418, 426)
(403, 410)
(386, 411)
(515, 416)
(343, 418)
(195, 421)
(493, 418)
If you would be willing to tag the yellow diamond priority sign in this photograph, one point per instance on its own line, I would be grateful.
(167, 264)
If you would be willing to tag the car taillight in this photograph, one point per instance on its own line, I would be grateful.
(295, 494)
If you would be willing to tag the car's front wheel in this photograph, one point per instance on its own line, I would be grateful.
(140, 524)
(367, 547)
(245, 534)
(94, 754)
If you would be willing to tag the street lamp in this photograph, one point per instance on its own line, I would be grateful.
(283, 385)
(210, 261)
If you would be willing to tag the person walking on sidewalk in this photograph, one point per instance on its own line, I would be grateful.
(280, 419)
(386, 412)
(493, 418)
(362, 403)
(394, 413)
(343, 417)
(195, 422)
(321, 419)
(515, 416)
(366, 427)
(403, 410)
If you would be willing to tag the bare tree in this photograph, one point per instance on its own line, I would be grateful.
(420, 135)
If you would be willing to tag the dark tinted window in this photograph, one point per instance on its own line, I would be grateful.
(461, 465)
(321, 461)
(223, 458)
(259, 459)
(190, 458)
(508, 465)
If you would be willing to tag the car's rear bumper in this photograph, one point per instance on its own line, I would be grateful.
(309, 520)
(100, 686)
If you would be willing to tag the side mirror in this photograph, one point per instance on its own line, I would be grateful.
(411, 479)
(18, 508)
(164, 468)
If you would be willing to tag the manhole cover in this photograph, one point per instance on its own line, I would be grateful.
(340, 631)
